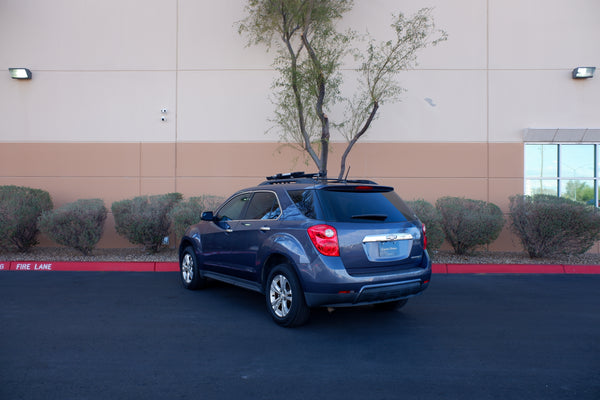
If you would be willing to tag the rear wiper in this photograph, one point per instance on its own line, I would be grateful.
(376, 217)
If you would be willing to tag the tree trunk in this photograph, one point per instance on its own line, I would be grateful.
(324, 146)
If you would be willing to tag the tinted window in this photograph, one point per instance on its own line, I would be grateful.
(264, 205)
(304, 200)
(234, 208)
(347, 205)
(363, 206)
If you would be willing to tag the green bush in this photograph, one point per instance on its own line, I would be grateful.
(432, 219)
(5, 225)
(549, 225)
(20, 208)
(78, 225)
(469, 223)
(145, 219)
(186, 213)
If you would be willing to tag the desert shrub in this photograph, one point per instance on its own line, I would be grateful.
(432, 219)
(78, 225)
(549, 225)
(145, 219)
(20, 208)
(189, 212)
(469, 223)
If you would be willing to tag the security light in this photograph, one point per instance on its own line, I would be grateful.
(20, 73)
(583, 72)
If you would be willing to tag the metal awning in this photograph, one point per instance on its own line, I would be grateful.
(562, 135)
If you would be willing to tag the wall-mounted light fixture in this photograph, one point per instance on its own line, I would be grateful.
(583, 72)
(20, 73)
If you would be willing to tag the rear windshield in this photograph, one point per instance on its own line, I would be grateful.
(351, 206)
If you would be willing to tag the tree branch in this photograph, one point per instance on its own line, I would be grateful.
(356, 137)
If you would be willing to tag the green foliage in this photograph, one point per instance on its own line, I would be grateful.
(78, 225)
(310, 55)
(469, 223)
(145, 219)
(432, 219)
(186, 213)
(549, 225)
(20, 208)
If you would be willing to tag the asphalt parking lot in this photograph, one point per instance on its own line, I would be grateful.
(127, 335)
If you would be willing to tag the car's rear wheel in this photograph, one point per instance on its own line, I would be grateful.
(391, 305)
(190, 273)
(285, 298)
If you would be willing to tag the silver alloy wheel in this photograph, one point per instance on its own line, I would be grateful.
(187, 268)
(280, 294)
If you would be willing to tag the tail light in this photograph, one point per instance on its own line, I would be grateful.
(424, 237)
(325, 239)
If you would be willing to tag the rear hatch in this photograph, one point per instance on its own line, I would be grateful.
(377, 232)
(382, 248)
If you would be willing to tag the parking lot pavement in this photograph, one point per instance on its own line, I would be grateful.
(127, 335)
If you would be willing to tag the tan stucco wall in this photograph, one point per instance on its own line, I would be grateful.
(115, 171)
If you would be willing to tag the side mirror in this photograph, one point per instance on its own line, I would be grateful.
(208, 216)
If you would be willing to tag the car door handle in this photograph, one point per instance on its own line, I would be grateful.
(265, 228)
(228, 230)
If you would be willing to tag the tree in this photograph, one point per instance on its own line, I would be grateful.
(310, 54)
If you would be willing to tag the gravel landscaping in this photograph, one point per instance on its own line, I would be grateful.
(497, 257)
(170, 255)
(65, 254)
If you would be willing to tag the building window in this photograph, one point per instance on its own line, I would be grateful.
(566, 170)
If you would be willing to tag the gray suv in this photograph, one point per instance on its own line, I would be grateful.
(306, 242)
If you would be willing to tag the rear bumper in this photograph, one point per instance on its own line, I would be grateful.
(372, 289)
(370, 294)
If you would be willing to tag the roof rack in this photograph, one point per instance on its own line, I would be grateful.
(301, 177)
(291, 177)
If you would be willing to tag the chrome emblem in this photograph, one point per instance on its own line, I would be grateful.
(391, 237)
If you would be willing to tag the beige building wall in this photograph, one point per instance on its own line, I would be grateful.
(89, 122)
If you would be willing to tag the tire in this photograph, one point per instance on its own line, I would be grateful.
(285, 298)
(391, 305)
(189, 271)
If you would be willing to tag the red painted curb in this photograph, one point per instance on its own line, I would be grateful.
(439, 268)
(174, 266)
(504, 269)
(166, 267)
(88, 266)
(81, 266)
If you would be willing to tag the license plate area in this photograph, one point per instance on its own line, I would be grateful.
(388, 247)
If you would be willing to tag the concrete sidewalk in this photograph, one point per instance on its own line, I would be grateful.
(173, 266)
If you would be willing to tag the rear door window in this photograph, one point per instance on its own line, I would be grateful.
(264, 205)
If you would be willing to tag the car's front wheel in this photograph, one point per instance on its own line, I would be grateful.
(285, 298)
(190, 273)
